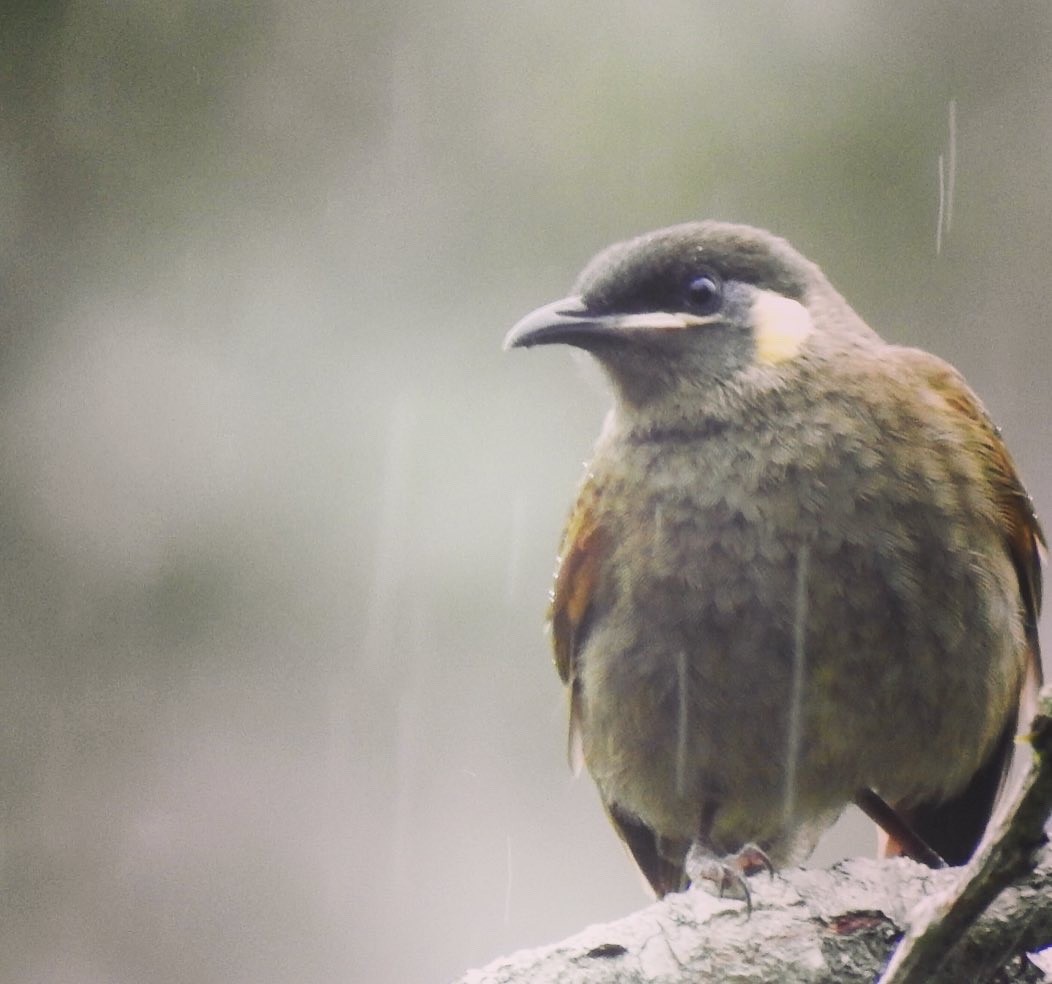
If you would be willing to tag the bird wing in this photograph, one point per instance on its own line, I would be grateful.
(954, 827)
(571, 615)
(576, 578)
(1024, 538)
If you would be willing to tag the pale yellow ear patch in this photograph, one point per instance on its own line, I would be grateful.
(781, 326)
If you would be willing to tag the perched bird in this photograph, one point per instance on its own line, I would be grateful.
(801, 570)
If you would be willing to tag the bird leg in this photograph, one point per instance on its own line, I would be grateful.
(727, 873)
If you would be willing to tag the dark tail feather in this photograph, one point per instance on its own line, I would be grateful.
(954, 827)
(664, 875)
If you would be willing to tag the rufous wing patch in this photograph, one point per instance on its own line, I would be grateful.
(576, 578)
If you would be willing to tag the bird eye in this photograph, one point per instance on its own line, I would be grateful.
(704, 294)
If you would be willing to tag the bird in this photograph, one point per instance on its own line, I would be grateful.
(801, 570)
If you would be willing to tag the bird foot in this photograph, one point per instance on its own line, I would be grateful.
(727, 874)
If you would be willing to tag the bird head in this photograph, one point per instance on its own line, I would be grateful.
(692, 308)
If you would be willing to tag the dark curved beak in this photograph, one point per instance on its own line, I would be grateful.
(566, 320)
(569, 322)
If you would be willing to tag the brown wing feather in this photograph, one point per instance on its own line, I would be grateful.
(1024, 538)
(954, 827)
(576, 577)
(572, 609)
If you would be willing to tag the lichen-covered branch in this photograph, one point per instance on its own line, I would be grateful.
(836, 926)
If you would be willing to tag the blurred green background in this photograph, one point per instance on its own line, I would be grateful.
(278, 516)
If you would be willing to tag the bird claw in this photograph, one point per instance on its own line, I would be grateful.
(728, 874)
(752, 859)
